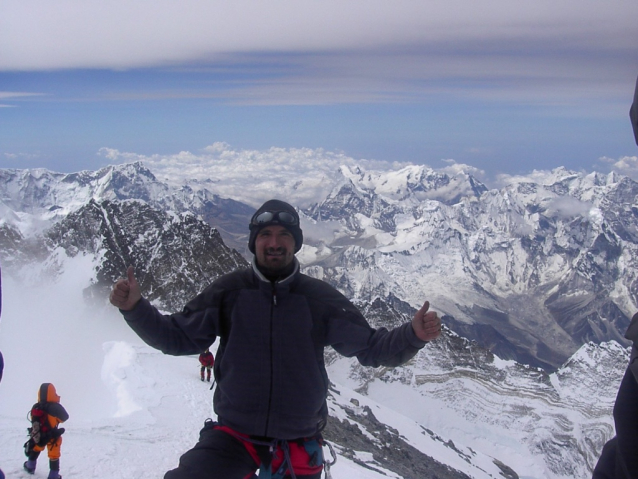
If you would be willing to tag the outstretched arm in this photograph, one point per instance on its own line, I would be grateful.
(190, 331)
(126, 292)
(350, 335)
(426, 324)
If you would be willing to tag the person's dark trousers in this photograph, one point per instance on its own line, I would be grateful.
(218, 455)
(626, 422)
(619, 459)
(606, 466)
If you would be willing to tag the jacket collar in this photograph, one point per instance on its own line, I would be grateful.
(284, 281)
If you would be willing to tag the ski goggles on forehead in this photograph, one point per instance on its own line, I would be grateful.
(281, 217)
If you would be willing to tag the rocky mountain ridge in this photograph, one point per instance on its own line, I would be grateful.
(533, 270)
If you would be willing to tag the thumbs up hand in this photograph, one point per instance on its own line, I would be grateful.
(426, 324)
(126, 291)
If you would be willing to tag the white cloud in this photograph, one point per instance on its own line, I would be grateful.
(306, 172)
(626, 165)
(124, 34)
(21, 156)
(306, 175)
(10, 95)
(14, 95)
(453, 168)
(568, 207)
(306, 51)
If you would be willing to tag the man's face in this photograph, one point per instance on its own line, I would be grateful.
(274, 248)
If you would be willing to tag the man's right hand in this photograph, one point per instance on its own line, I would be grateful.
(126, 292)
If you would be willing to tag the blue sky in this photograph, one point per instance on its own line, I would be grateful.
(504, 86)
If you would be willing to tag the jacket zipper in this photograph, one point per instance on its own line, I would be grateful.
(270, 392)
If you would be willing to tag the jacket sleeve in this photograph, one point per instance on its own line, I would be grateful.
(188, 332)
(57, 411)
(349, 334)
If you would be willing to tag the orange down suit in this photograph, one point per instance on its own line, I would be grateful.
(56, 414)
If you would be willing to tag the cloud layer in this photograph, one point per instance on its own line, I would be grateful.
(311, 52)
(307, 174)
(124, 34)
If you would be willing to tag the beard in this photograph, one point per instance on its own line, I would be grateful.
(275, 262)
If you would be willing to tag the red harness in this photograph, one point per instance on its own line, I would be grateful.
(294, 453)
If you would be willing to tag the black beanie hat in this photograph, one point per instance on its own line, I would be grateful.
(275, 206)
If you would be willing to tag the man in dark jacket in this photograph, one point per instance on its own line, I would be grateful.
(273, 323)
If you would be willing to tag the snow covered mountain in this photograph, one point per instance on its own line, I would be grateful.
(531, 271)
(538, 273)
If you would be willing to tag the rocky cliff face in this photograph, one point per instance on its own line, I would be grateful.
(532, 271)
(175, 256)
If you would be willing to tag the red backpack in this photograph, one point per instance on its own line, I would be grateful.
(40, 430)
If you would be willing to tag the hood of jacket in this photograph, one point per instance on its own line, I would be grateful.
(47, 393)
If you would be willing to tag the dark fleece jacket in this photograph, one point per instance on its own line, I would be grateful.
(271, 378)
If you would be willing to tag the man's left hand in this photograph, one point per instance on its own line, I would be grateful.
(426, 324)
